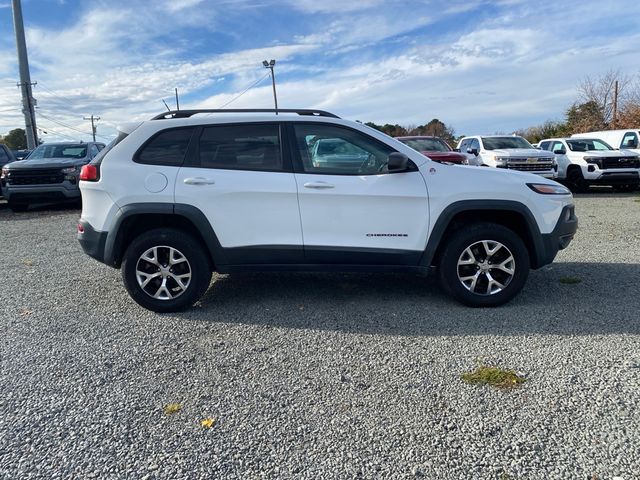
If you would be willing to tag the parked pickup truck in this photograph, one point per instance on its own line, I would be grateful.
(510, 152)
(50, 173)
(589, 161)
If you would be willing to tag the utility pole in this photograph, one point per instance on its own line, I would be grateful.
(615, 104)
(93, 126)
(270, 66)
(25, 78)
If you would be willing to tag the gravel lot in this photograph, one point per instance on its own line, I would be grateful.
(319, 376)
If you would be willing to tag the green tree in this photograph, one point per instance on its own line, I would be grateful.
(16, 139)
(585, 117)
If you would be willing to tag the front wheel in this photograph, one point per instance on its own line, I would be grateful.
(576, 181)
(165, 270)
(484, 265)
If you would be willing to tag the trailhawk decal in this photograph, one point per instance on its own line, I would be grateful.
(387, 235)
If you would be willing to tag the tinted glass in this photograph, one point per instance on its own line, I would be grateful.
(166, 148)
(93, 150)
(587, 145)
(241, 147)
(59, 151)
(427, 144)
(339, 151)
(4, 158)
(630, 140)
(544, 145)
(495, 143)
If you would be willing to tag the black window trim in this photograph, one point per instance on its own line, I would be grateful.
(136, 155)
(297, 159)
(192, 158)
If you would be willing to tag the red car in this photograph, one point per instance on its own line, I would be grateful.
(435, 148)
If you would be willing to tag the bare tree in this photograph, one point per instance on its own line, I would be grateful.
(602, 91)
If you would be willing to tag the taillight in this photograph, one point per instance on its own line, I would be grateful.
(89, 173)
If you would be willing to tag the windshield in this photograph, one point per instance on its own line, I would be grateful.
(587, 144)
(59, 151)
(495, 143)
(426, 144)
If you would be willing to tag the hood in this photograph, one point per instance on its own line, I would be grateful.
(606, 153)
(453, 157)
(520, 152)
(47, 163)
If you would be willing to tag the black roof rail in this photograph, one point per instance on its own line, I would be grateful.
(189, 113)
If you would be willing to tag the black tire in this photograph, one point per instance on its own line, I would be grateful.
(470, 236)
(197, 262)
(576, 181)
(18, 207)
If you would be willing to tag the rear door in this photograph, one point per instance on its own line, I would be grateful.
(353, 210)
(240, 178)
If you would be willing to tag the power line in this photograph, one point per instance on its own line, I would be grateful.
(51, 92)
(245, 90)
(62, 124)
(57, 133)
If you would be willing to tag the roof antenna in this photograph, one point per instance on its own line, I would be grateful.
(165, 104)
(177, 102)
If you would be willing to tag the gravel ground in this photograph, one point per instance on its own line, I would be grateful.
(319, 376)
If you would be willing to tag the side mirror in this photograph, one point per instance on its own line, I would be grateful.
(559, 151)
(397, 162)
(473, 151)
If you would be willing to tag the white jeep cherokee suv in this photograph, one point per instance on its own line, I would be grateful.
(590, 161)
(510, 152)
(173, 199)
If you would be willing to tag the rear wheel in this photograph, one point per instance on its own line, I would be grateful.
(165, 270)
(484, 265)
(18, 207)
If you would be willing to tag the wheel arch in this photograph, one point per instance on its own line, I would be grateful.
(133, 220)
(511, 214)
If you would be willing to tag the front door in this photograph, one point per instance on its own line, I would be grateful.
(353, 211)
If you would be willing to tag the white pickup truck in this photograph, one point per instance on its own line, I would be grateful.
(510, 152)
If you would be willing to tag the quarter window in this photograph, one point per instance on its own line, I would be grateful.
(167, 148)
(241, 147)
(334, 150)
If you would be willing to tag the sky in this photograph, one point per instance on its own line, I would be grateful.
(479, 66)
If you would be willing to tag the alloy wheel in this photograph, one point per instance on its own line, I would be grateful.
(163, 272)
(486, 267)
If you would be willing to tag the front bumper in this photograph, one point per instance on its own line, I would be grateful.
(560, 237)
(40, 193)
(92, 242)
(613, 178)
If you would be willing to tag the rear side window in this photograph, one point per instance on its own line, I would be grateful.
(241, 147)
(168, 148)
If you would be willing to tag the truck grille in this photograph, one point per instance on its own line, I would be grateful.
(619, 162)
(40, 176)
(542, 165)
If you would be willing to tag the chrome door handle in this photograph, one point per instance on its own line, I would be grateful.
(318, 185)
(199, 181)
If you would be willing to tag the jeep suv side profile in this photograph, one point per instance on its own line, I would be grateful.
(589, 161)
(175, 198)
(509, 152)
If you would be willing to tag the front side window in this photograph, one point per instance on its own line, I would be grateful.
(475, 144)
(166, 148)
(3, 156)
(588, 145)
(241, 147)
(630, 140)
(333, 150)
(496, 143)
(557, 147)
(93, 150)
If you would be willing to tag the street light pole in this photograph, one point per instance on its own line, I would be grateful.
(270, 66)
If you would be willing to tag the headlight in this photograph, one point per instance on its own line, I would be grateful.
(595, 160)
(548, 189)
(70, 170)
(5, 172)
(501, 160)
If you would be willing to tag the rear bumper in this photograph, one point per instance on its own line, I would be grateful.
(92, 242)
(560, 237)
